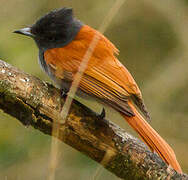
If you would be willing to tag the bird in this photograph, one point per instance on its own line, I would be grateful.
(62, 41)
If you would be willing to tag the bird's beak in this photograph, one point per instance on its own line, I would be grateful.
(25, 31)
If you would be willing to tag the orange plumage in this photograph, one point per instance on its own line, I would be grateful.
(108, 80)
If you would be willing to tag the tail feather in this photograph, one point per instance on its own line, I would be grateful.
(152, 139)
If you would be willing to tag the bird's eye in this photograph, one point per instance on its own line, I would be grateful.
(51, 38)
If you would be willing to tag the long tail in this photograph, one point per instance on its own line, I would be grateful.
(153, 139)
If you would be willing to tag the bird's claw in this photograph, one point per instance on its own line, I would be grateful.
(103, 114)
(63, 94)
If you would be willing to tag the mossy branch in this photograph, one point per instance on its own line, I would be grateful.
(37, 103)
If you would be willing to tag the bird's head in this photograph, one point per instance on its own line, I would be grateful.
(55, 29)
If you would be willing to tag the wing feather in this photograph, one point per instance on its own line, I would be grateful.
(106, 94)
(105, 77)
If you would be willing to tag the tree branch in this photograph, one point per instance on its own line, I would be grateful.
(37, 103)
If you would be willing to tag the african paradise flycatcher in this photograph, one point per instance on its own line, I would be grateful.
(62, 41)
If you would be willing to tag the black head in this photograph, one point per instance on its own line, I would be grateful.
(55, 29)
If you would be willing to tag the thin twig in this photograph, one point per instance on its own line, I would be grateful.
(97, 172)
(75, 84)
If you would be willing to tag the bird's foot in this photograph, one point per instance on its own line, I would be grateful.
(102, 115)
(63, 93)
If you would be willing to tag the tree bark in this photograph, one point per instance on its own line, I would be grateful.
(37, 103)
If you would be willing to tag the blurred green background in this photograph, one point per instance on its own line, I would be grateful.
(153, 42)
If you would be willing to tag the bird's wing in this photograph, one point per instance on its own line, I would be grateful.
(105, 77)
(96, 81)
